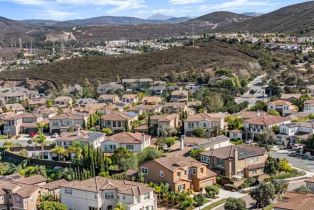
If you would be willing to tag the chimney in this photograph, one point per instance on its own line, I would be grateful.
(78, 131)
(182, 142)
(236, 158)
(258, 113)
(143, 138)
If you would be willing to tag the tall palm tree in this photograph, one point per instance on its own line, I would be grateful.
(120, 206)
(41, 139)
(76, 148)
(60, 151)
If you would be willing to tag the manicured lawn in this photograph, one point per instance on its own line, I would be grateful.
(287, 175)
(3, 137)
(215, 204)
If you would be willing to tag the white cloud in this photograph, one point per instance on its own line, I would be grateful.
(185, 1)
(235, 4)
(56, 14)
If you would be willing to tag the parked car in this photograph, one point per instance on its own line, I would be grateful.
(55, 135)
(32, 134)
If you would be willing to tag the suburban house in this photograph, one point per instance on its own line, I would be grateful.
(94, 139)
(165, 123)
(290, 96)
(157, 90)
(129, 98)
(140, 109)
(236, 161)
(84, 101)
(245, 115)
(309, 106)
(67, 121)
(118, 121)
(175, 107)
(103, 193)
(212, 143)
(151, 100)
(109, 87)
(295, 201)
(310, 90)
(212, 122)
(181, 173)
(235, 134)
(134, 142)
(294, 128)
(12, 97)
(285, 108)
(63, 101)
(21, 193)
(17, 108)
(137, 84)
(257, 125)
(179, 96)
(109, 99)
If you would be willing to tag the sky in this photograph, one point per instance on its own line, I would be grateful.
(78, 9)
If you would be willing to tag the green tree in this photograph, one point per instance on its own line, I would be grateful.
(259, 106)
(120, 206)
(195, 153)
(271, 166)
(148, 154)
(212, 191)
(60, 151)
(235, 204)
(199, 200)
(51, 205)
(234, 122)
(263, 195)
(8, 145)
(49, 102)
(285, 166)
(199, 132)
(107, 131)
(280, 187)
(41, 139)
(77, 149)
(186, 204)
(273, 112)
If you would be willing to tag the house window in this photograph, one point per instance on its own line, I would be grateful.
(146, 196)
(161, 173)
(92, 208)
(191, 125)
(68, 191)
(129, 146)
(109, 195)
(144, 170)
(192, 171)
(181, 187)
(114, 124)
(204, 125)
(17, 199)
(220, 163)
(254, 172)
(202, 170)
(178, 174)
(119, 124)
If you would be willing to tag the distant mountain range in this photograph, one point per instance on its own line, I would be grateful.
(296, 19)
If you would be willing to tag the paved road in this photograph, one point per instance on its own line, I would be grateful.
(297, 161)
(250, 203)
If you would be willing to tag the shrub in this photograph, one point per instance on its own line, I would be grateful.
(199, 132)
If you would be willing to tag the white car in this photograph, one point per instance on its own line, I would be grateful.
(55, 135)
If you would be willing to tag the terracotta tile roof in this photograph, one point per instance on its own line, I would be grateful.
(151, 99)
(309, 102)
(68, 115)
(32, 180)
(130, 96)
(203, 117)
(250, 114)
(55, 185)
(288, 96)
(267, 120)
(279, 103)
(26, 191)
(127, 138)
(296, 201)
(167, 118)
(97, 184)
(180, 92)
(175, 105)
(116, 116)
(244, 151)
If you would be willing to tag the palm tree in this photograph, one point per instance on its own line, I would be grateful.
(77, 149)
(120, 206)
(41, 139)
(60, 151)
(7, 145)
